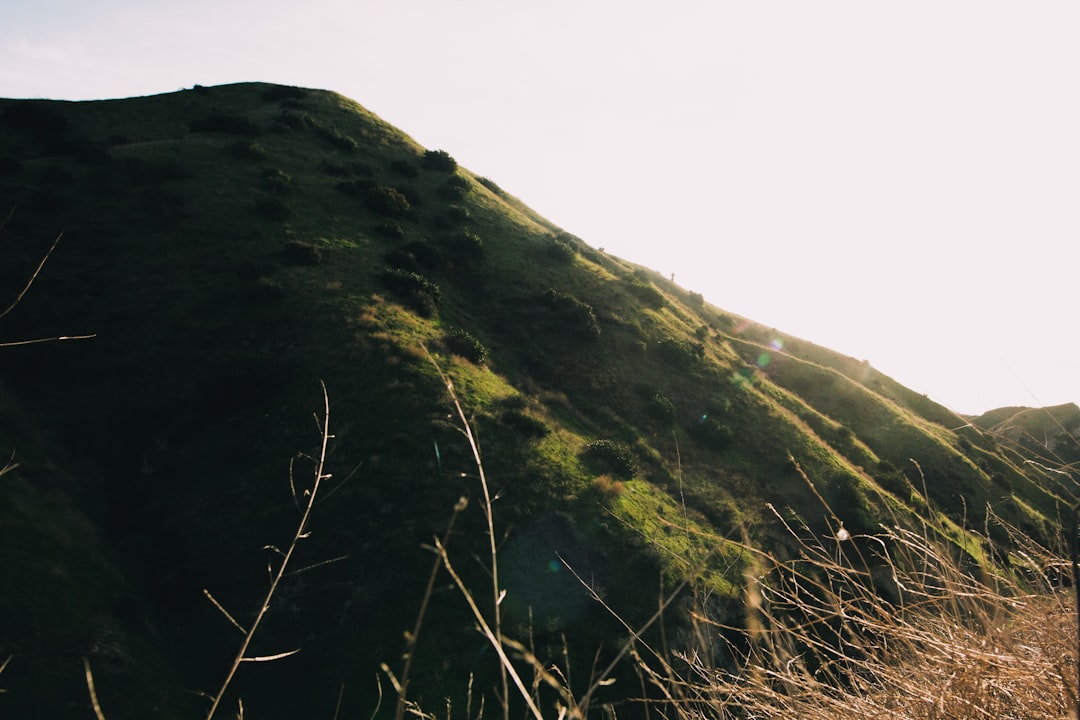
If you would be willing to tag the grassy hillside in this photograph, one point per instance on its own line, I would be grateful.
(229, 248)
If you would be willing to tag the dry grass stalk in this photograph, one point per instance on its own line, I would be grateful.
(908, 634)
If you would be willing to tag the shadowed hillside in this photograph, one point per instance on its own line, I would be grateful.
(230, 247)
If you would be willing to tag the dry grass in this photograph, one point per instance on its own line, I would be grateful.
(884, 626)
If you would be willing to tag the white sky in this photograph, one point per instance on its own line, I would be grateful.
(898, 181)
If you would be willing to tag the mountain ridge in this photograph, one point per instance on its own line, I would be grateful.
(229, 246)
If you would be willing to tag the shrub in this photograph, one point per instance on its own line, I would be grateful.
(612, 457)
(228, 124)
(276, 181)
(712, 433)
(890, 478)
(1002, 482)
(388, 201)
(290, 120)
(464, 244)
(421, 294)
(245, 150)
(681, 353)
(404, 168)
(606, 488)
(427, 253)
(572, 315)
(402, 259)
(411, 194)
(461, 342)
(268, 288)
(336, 140)
(696, 299)
(391, 230)
(439, 160)
(525, 424)
(451, 193)
(648, 294)
(561, 249)
(848, 501)
(661, 408)
(303, 253)
(492, 186)
(458, 213)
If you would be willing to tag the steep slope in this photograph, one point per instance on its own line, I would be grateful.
(229, 247)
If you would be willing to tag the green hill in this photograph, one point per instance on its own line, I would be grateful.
(229, 248)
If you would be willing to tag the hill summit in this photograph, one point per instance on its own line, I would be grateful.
(228, 248)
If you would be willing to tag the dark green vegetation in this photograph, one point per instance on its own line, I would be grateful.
(230, 247)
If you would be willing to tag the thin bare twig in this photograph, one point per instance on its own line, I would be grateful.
(301, 533)
(33, 277)
(93, 692)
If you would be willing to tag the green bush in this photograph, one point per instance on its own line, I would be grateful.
(464, 244)
(610, 456)
(451, 193)
(276, 181)
(712, 433)
(290, 120)
(404, 168)
(572, 315)
(425, 252)
(299, 252)
(648, 294)
(419, 293)
(458, 214)
(1002, 482)
(890, 478)
(848, 500)
(661, 408)
(268, 288)
(388, 201)
(333, 138)
(391, 230)
(245, 150)
(492, 186)
(461, 342)
(681, 353)
(561, 249)
(525, 424)
(439, 160)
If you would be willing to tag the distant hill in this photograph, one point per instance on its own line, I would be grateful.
(1049, 433)
(229, 247)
